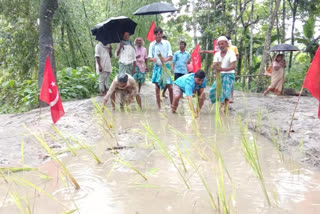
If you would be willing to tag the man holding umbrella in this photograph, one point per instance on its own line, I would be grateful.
(160, 54)
(127, 55)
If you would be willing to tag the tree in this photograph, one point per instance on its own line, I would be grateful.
(272, 16)
(47, 9)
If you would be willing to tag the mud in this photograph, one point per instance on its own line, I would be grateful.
(115, 187)
(276, 113)
(80, 121)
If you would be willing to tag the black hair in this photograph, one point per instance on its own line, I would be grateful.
(185, 44)
(228, 37)
(157, 30)
(164, 37)
(200, 74)
(122, 77)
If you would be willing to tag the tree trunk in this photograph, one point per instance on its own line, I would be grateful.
(194, 24)
(267, 42)
(294, 14)
(283, 21)
(47, 9)
(251, 45)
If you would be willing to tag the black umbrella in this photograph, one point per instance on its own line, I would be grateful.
(155, 8)
(111, 31)
(284, 47)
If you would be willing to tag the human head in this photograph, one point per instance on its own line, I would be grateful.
(183, 45)
(279, 57)
(199, 77)
(126, 36)
(122, 80)
(158, 33)
(139, 42)
(222, 43)
(164, 37)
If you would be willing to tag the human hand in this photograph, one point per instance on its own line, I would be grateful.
(138, 56)
(100, 68)
(121, 45)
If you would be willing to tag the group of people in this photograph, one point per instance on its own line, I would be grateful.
(133, 63)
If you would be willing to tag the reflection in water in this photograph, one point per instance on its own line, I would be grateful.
(116, 187)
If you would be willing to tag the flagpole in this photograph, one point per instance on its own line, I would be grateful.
(295, 109)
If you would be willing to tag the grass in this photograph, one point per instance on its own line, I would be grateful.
(52, 154)
(251, 156)
(164, 150)
(223, 204)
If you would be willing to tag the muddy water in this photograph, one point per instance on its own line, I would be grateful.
(114, 187)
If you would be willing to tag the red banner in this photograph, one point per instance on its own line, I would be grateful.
(196, 59)
(312, 79)
(50, 93)
(215, 46)
(150, 35)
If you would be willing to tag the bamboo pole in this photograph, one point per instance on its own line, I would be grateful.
(295, 109)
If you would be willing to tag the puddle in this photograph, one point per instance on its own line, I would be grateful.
(115, 187)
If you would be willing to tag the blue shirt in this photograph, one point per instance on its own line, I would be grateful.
(163, 47)
(180, 62)
(187, 84)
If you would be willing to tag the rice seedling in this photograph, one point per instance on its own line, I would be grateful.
(83, 145)
(214, 149)
(223, 204)
(54, 157)
(251, 156)
(126, 163)
(105, 124)
(17, 169)
(193, 164)
(70, 211)
(26, 183)
(199, 150)
(181, 158)
(275, 140)
(65, 140)
(164, 150)
(22, 205)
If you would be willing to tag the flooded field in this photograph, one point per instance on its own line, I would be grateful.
(165, 163)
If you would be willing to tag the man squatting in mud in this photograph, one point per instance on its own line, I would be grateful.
(124, 86)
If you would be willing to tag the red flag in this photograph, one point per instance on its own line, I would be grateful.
(50, 94)
(215, 46)
(196, 59)
(312, 79)
(150, 35)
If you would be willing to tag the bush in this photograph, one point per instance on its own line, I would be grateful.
(77, 83)
(23, 96)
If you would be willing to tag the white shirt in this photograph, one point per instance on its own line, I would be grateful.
(102, 52)
(127, 54)
(226, 61)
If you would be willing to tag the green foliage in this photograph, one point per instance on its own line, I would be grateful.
(77, 83)
(16, 96)
(295, 78)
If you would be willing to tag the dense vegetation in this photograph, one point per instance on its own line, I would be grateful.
(246, 21)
